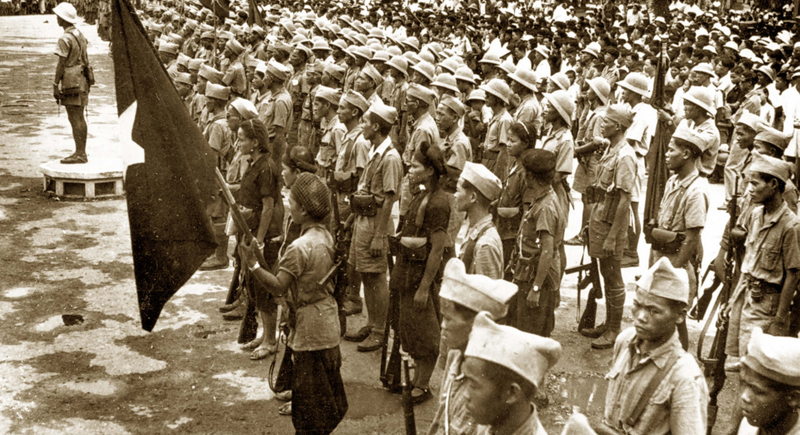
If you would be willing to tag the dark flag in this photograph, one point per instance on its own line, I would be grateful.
(220, 8)
(171, 233)
(657, 154)
(254, 15)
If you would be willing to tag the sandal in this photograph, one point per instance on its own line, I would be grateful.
(262, 352)
(284, 396)
(285, 409)
(253, 344)
(420, 398)
(75, 159)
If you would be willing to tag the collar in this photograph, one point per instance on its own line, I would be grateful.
(542, 194)
(451, 138)
(311, 225)
(476, 228)
(496, 116)
(381, 150)
(354, 133)
(422, 118)
(659, 355)
(773, 218)
(328, 124)
(688, 179)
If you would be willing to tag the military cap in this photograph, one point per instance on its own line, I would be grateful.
(373, 74)
(636, 82)
(218, 92)
(211, 74)
(168, 47)
(484, 180)
(312, 194)
(601, 88)
(355, 99)
(666, 281)
(704, 68)
(773, 137)
(528, 355)
(328, 94)
(498, 88)
(425, 68)
(194, 64)
(688, 134)
(184, 78)
(386, 113)
(621, 114)
(751, 120)
(399, 63)
(421, 93)
(453, 104)
(445, 81)
(335, 71)
(774, 357)
(477, 95)
(476, 292)
(245, 108)
(563, 103)
(278, 70)
(183, 60)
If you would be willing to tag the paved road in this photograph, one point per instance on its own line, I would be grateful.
(106, 375)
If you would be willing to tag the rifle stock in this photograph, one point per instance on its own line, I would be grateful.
(588, 275)
(714, 365)
(408, 405)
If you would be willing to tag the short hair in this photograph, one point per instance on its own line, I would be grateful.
(525, 132)
(299, 158)
(482, 199)
(767, 178)
(727, 62)
(255, 129)
(685, 144)
(503, 377)
(384, 127)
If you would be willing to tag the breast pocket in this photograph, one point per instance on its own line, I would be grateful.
(606, 175)
(770, 256)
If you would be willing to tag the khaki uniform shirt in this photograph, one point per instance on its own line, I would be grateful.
(680, 213)
(452, 407)
(771, 246)
(278, 112)
(532, 426)
(487, 258)
(529, 112)
(677, 407)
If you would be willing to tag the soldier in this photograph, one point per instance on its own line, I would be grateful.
(73, 62)
(278, 115)
(378, 189)
(769, 270)
(590, 126)
(504, 367)
(482, 249)
(326, 104)
(536, 260)
(235, 76)
(183, 84)
(463, 296)
(350, 163)
(495, 153)
(608, 224)
(418, 100)
(770, 380)
(683, 210)
(218, 135)
(523, 83)
(654, 386)
(457, 151)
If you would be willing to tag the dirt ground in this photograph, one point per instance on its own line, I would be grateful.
(108, 376)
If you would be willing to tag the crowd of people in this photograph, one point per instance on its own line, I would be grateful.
(488, 116)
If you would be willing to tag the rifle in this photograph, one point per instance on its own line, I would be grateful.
(249, 325)
(699, 310)
(408, 405)
(390, 370)
(588, 274)
(341, 251)
(714, 364)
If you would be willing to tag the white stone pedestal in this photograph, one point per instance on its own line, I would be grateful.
(100, 178)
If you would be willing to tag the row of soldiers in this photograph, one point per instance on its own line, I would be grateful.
(383, 119)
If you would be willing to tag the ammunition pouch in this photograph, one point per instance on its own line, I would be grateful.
(507, 212)
(595, 195)
(525, 268)
(410, 248)
(490, 154)
(737, 236)
(364, 205)
(758, 288)
(666, 241)
(343, 182)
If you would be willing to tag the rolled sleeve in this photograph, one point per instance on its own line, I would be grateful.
(625, 173)
(293, 261)
(392, 173)
(688, 407)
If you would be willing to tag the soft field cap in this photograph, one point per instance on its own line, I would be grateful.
(770, 166)
(527, 355)
(486, 182)
(245, 108)
(773, 137)
(218, 92)
(774, 357)
(665, 281)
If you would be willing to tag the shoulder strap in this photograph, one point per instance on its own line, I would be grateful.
(469, 250)
(84, 57)
(681, 194)
(655, 381)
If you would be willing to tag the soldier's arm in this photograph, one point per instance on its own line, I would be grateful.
(689, 247)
